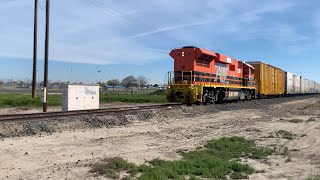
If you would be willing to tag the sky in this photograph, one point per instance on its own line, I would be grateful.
(98, 40)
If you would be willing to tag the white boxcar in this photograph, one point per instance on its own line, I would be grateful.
(317, 87)
(310, 86)
(80, 97)
(303, 85)
(313, 87)
(293, 83)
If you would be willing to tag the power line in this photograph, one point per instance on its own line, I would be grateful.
(129, 21)
(146, 28)
(150, 27)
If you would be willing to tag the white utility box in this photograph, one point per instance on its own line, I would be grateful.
(80, 97)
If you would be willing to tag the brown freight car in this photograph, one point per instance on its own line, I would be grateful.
(270, 79)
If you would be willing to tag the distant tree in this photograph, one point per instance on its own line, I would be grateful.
(21, 83)
(1, 83)
(156, 85)
(113, 83)
(101, 84)
(142, 81)
(129, 81)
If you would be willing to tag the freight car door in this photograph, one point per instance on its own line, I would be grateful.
(274, 80)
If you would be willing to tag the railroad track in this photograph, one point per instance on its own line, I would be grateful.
(32, 116)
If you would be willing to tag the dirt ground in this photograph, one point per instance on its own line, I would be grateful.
(65, 152)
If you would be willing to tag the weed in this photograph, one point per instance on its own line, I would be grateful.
(261, 171)
(237, 175)
(303, 135)
(157, 162)
(294, 150)
(270, 136)
(182, 152)
(285, 151)
(311, 119)
(213, 162)
(313, 177)
(112, 166)
(285, 135)
(288, 160)
(295, 120)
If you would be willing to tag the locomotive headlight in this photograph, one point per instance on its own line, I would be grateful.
(169, 87)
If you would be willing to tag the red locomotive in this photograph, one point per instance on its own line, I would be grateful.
(202, 76)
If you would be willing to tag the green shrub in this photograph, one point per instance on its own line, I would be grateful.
(285, 135)
(213, 162)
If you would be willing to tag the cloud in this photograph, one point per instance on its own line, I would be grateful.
(139, 32)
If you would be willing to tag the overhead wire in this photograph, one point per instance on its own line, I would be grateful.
(152, 28)
(126, 20)
(142, 26)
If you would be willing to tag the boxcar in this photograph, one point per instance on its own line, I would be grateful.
(310, 86)
(313, 87)
(292, 83)
(317, 88)
(270, 79)
(303, 85)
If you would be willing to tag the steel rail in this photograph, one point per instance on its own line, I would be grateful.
(29, 116)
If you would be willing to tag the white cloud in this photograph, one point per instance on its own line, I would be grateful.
(141, 31)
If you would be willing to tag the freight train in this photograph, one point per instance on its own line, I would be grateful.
(203, 76)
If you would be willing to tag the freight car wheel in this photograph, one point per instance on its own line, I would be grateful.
(205, 97)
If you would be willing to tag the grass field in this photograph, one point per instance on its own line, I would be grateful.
(20, 100)
(133, 98)
(216, 160)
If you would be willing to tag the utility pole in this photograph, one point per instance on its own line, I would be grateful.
(35, 34)
(46, 58)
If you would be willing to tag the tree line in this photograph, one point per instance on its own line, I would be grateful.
(129, 81)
